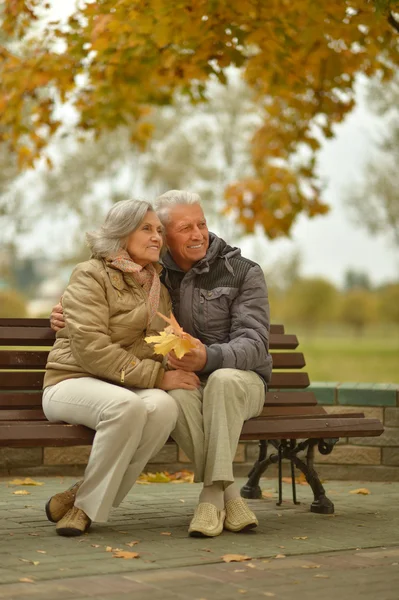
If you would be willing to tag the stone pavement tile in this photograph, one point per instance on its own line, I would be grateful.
(360, 522)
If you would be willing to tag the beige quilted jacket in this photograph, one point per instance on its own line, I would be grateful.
(106, 323)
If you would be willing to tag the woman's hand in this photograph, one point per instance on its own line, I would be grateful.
(178, 379)
(57, 320)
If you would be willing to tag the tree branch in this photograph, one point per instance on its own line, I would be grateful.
(392, 21)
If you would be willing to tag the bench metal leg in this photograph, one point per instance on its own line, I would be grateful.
(290, 450)
(321, 504)
(251, 489)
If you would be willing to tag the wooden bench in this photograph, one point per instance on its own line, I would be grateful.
(291, 423)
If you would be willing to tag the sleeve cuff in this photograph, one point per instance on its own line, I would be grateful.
(214, 359)
(159, 378)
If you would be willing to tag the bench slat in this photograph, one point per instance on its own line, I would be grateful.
(36, 359)
(24, 414)
(24, 435)
(22, 400)
(23, 359)
(28, 322)
(20, 435)
(44, 336)
(17, 380)
(323, 427)
(289, 380)
(10, 400)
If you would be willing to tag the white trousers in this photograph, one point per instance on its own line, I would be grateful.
(211, 418)
(131, 427)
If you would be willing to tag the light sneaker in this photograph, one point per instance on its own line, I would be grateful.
(75, 522)
(207, 521)
(59, 504)
(239, 516)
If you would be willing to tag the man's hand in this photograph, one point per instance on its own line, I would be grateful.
(57, 320)
(195, 360)
(179, 380)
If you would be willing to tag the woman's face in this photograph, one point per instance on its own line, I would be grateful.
(144, 244)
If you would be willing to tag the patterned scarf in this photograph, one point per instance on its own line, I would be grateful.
(146, 276)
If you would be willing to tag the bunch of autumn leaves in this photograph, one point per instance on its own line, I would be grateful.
(173, 337)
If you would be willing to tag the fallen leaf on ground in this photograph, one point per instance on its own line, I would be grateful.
(41, 551)
(181, 500)
(321, 576)
(32, 562)
(21, 493)
(108, 549)
(228, 558)
(300, 537)
(166, 533)
(280, 556)
(310, 566)
(206, 550)
(166, 477)
(251, 565)
(26, 580)
(95, 545)
(26, 481)
(362, 491)
(301, 479)
(125, 554)
(239, 570)
(267, 495)
(242, 591)
(131, 544)
(33, 534)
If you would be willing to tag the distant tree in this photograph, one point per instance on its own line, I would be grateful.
(356, 279)
(373, 202)
(358, 309)
(389, 303)
(311, 302)
(12, 304)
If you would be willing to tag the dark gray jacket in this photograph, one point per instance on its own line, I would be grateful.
(222, 300)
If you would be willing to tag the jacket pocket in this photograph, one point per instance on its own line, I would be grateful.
(215, 308)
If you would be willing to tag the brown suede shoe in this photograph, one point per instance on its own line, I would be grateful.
(75, 522)
(59, 504)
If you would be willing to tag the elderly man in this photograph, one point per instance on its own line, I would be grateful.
(220, 298)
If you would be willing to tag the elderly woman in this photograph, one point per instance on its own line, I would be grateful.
(102, 374)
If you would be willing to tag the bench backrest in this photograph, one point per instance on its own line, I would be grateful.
(24, 347)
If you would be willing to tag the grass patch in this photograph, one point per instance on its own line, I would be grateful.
(366, 359)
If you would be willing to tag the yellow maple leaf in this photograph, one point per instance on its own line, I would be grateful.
(124, 554)
(172, 338)
(26, 481)
(362, 491)
(235, 558)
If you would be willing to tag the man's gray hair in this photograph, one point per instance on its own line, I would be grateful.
(164, 203)
(121, 220)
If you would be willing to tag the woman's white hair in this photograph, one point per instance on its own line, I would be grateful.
(164, 203)
(121, 220)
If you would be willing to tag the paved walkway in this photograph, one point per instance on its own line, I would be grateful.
(294, 554)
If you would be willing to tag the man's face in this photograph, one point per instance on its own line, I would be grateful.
(187, 235)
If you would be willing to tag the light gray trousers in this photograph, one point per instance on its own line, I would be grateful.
(131, 427)
(211, 418)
